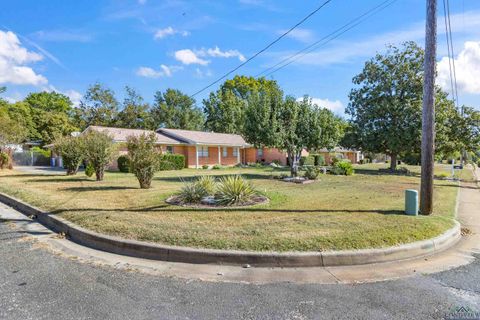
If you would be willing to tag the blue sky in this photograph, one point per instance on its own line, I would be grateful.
(154, 45)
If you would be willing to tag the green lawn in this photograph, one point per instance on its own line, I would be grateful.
(337, 212)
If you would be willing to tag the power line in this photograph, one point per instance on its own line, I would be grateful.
(453, 55)
(447, 34)
(264, 49)
(330, 37)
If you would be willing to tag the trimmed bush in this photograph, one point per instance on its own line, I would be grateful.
(171, 161)
(72, 151)
(123, 163)
(217, 167)
(89, 170)
(234, 190)
(319, 160)
(311, 173)
(99, 151)
(205, 167)
(307, 161)
(343, 167)
(144, 158)
(4, 160)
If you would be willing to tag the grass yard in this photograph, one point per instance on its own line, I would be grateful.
(337, 212)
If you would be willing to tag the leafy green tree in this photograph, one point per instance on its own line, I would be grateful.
(144, 158)
(176, 110)
(11, 132)
(100, 150)
(22, 113)
(225, 109)
(50, 113)
(385, 105)
(98, 107)
(71, 149)
(135, 113)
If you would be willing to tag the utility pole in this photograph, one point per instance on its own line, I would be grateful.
(428, 113)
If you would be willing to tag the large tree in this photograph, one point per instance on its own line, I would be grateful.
(385, 105)
(135, 113)
(290, 125)
(225, 108)
(51, 115)
(98, 107)
(176, 110)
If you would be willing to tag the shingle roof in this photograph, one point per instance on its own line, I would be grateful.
(121, 134)
(207, 138)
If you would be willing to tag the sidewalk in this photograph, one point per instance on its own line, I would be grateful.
(460, 254)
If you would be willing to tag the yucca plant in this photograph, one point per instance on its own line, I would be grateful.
(208, 183)
(233, 190)
(192, 192)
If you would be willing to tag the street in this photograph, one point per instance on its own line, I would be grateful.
(37, 284)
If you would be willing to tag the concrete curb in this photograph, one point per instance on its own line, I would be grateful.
(153, 251)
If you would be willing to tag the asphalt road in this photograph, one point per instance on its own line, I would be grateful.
(36, 284)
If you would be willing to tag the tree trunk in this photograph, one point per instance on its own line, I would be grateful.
(99, 174)
(293, 163)
(393, 162)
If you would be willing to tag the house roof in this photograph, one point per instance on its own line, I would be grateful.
(204, 138)
(121, 134)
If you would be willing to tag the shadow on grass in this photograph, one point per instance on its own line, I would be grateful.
(98, 188)
(249, 176)
(174, 209)
(386, 172)
(63, 179)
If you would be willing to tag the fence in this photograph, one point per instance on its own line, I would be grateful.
(30, 158)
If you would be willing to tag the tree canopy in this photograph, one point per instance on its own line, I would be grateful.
(98, 107)
(176, 110)
(225, 109)
(135, 112)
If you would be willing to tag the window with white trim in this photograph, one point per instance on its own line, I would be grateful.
(169, 149)
(235, 152)
(259, 153)
(203, 152)
(224, 152)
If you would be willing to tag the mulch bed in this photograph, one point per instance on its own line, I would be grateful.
(174, 200)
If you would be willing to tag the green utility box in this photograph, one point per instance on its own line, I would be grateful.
(411, 202)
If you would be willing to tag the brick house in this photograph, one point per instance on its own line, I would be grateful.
(199, 147)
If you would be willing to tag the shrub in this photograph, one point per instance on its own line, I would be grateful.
(343, 167)
(72, 151)
(123, 163)
(205, 167)
(171, 161)
(192, 192)
(43, 152)
(4, 160)
(144, 158)
(99, 151)
(311, 173)
(412, 158)
(233, 190)
(277, 162)
(319, 160)
(307, 161)
(208, 183)
(217, 167)
(89, 170)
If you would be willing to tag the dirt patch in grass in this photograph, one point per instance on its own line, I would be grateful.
(175, 200)
(353, 212)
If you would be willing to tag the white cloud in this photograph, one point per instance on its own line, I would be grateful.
(169, 31)
(467, 66)
(335, 106)
(164, 71)
(187, 56)
(217, 53)
(299, 34)
(14, 60)
(62, 36)
(74, 96)
(202, 74)
(142, 1)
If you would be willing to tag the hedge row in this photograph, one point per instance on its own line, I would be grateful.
(170, 161)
